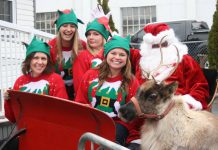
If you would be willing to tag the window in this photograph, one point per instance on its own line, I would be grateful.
(134, 18)
(6, 10)
(179, 29)
(199, 26)
(45, 21)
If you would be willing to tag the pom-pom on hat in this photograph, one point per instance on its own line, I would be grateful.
(155, 32)
(37, 45)
(100, 25)
(117, 42)
(65, 17)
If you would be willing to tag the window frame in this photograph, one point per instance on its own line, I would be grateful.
(136, 18)
(42, 21)
(12, 11)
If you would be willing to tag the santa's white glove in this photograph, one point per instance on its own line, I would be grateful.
(98, 13)
(193, 104)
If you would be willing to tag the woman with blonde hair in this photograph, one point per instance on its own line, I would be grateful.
(66, 46)
(97, 34)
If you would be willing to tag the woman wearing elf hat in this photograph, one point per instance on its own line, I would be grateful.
(38, 76)
(97, 33)
(66, 46)
(111, 84)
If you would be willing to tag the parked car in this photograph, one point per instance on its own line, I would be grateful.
(191, 32)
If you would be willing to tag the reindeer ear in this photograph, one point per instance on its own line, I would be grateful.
(171, 88)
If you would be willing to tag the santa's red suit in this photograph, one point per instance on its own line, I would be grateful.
(176, 65)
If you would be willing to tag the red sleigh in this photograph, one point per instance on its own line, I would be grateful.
(45, 122)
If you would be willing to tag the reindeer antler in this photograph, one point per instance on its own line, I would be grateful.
(177, 63)
(150, 75)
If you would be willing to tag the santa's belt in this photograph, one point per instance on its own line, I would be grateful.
(164, 44)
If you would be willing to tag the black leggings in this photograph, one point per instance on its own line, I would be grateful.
(121, 134)
(70, 92)
(134, 146)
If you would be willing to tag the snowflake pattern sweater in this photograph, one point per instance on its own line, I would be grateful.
(107, 98)
(50, 84)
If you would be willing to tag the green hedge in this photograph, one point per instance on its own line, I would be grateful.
(213, 42)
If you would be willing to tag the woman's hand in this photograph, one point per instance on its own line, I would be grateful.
(6, 95)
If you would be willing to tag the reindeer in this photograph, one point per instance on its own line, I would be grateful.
(169, 123)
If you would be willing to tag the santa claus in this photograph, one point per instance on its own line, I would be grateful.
(164, 58)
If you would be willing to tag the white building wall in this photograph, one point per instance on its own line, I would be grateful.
(53, 5)
(25, 13)
(82, 9)
(205, 10)
(166, 10)
(171, 10)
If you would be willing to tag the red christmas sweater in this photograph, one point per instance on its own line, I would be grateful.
(50, 84)
(84, 61)
(65, 70)
(134, 58)
(107, 98)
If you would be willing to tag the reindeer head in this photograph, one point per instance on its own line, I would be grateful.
(152, 99)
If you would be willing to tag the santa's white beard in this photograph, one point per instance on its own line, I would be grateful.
(151, 58)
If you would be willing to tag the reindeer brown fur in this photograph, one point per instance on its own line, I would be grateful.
(180, 127)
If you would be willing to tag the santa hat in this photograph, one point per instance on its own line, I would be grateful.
(67, 17)
(155, 32)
